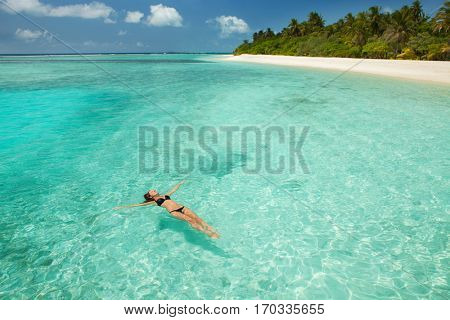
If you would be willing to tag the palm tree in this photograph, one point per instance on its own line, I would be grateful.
(255, 37)
(359, 30)
(315, 20)
(407, 32)
(349, 19)
(441, 21)
(294, 28)
(339, 25)
(284, 32)
(375, 18)
(399, 28)
(356, 29)
(304, 28)
(417, 12)
(269, 33)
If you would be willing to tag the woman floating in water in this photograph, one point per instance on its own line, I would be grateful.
(152, 197)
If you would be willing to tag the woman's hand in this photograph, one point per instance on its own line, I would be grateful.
(175, 188)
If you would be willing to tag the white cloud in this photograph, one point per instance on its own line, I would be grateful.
(109, 20)
(28, 35)
(122, 32)
(89, 43)
(139, 44)
(33, 7)
(229, 25)
(31, 35)
(387, 10)
(161, 16)
(93, 10)
(133, 16)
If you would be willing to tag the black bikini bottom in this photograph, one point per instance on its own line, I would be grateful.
(180, 210)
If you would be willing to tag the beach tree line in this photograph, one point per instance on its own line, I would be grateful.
(407, 33)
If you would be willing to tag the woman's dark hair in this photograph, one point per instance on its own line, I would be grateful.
(148, 197)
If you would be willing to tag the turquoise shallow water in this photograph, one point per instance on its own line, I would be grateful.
(370, 220)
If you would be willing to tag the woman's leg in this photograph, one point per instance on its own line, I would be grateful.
(188, 212)
(194, 224)
(201, 228)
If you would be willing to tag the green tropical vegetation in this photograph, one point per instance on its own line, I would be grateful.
(407, 33)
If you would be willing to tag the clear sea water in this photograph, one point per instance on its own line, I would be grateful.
(370, 220)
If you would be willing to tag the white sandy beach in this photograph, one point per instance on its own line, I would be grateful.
(434, 71)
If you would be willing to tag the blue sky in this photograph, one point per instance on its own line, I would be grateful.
(156, 25)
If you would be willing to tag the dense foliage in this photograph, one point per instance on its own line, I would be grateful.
(403, 34)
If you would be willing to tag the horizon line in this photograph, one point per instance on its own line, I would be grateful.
(110, 53)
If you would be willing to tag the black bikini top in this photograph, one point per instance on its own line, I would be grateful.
(160, 201)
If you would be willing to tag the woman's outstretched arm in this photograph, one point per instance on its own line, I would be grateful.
(151, 203)
(175, 188)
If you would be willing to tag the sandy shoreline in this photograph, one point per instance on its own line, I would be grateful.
(430, 71)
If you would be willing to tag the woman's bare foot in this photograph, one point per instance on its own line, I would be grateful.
(214, 235)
